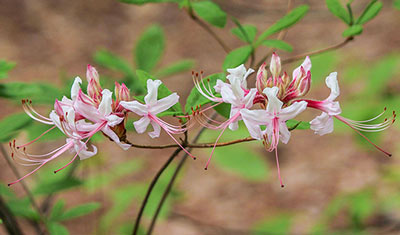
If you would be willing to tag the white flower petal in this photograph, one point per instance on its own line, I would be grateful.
(229, 97)
(251, 119)
(274, 104)
(141, 124)
(113, 120)
(322, 124)
(164, 104)
(106, 102)
(152, 91)
(84, 153)
(306, 66)
(292, 111)
(76, 87)
(284, 132)
(156, 130)
(134, 106)
(110, 133)
(249, 98)
(332, 82)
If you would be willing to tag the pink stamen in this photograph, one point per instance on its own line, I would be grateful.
(277, 165)
(156, 119)
(34, 140)
(231, 120)
(348, 124)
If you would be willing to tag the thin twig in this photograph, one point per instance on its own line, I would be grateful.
(208, 29)
(191, 145)
(26, 189)
(281, 36)
(171, 183)
(150, 189)
(8, 219)
(316, 52)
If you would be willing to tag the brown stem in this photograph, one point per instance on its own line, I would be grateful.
(316, 52)
(150, 189)
(26, 189)
(191, 145)
(208, 29)
(171, 183)
(9, 221)
(281, 36)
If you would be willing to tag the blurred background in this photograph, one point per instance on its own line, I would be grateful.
(337, 183)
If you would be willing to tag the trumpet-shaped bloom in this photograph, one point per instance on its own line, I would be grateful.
(323, 124)
(274, 119)
(150, 109)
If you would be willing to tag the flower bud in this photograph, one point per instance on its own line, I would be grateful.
(121, 92)
(94, 89)
(91, 73)
(275, 65)
(262, 78)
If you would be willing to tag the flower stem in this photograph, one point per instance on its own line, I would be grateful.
(150, 189)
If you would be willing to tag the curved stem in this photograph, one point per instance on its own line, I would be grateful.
(209, 30)
(171, 183)
(316, 52)
(27, 191)
(191, 145)
(150, 189)
(281, 36)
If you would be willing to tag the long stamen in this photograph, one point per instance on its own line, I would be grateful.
(358, 132)
(277, 165)
(34, 140)
(231, 120)
(66, 147)
(157, 120)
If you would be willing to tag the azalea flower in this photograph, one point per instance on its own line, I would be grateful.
(64, 118)
(323, 124)
(150, 109)
(236, 94)
(274, 119)
(70, 117)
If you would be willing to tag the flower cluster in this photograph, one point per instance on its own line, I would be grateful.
(276, 99)
(265, 110)
(83, 115)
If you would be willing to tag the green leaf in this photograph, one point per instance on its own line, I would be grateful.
(280, 224)
(285, 22)
(210, 12)
(237, 57)
(57, 229)
(79, 211)
(113, 62)
(10, 125)
(141, 2)
(338, 10)
(361, 205)
(56, 186)
(149, 48)
(352, 31)
(57, 210)
(278, 44)
(370, 12)
(22, 207)
(37, 92)
(163, 91)
(175, 68)
(396, 4)
(294, 124)
(223, 109)
(5, 67)
(246, 33)
(195, 98)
